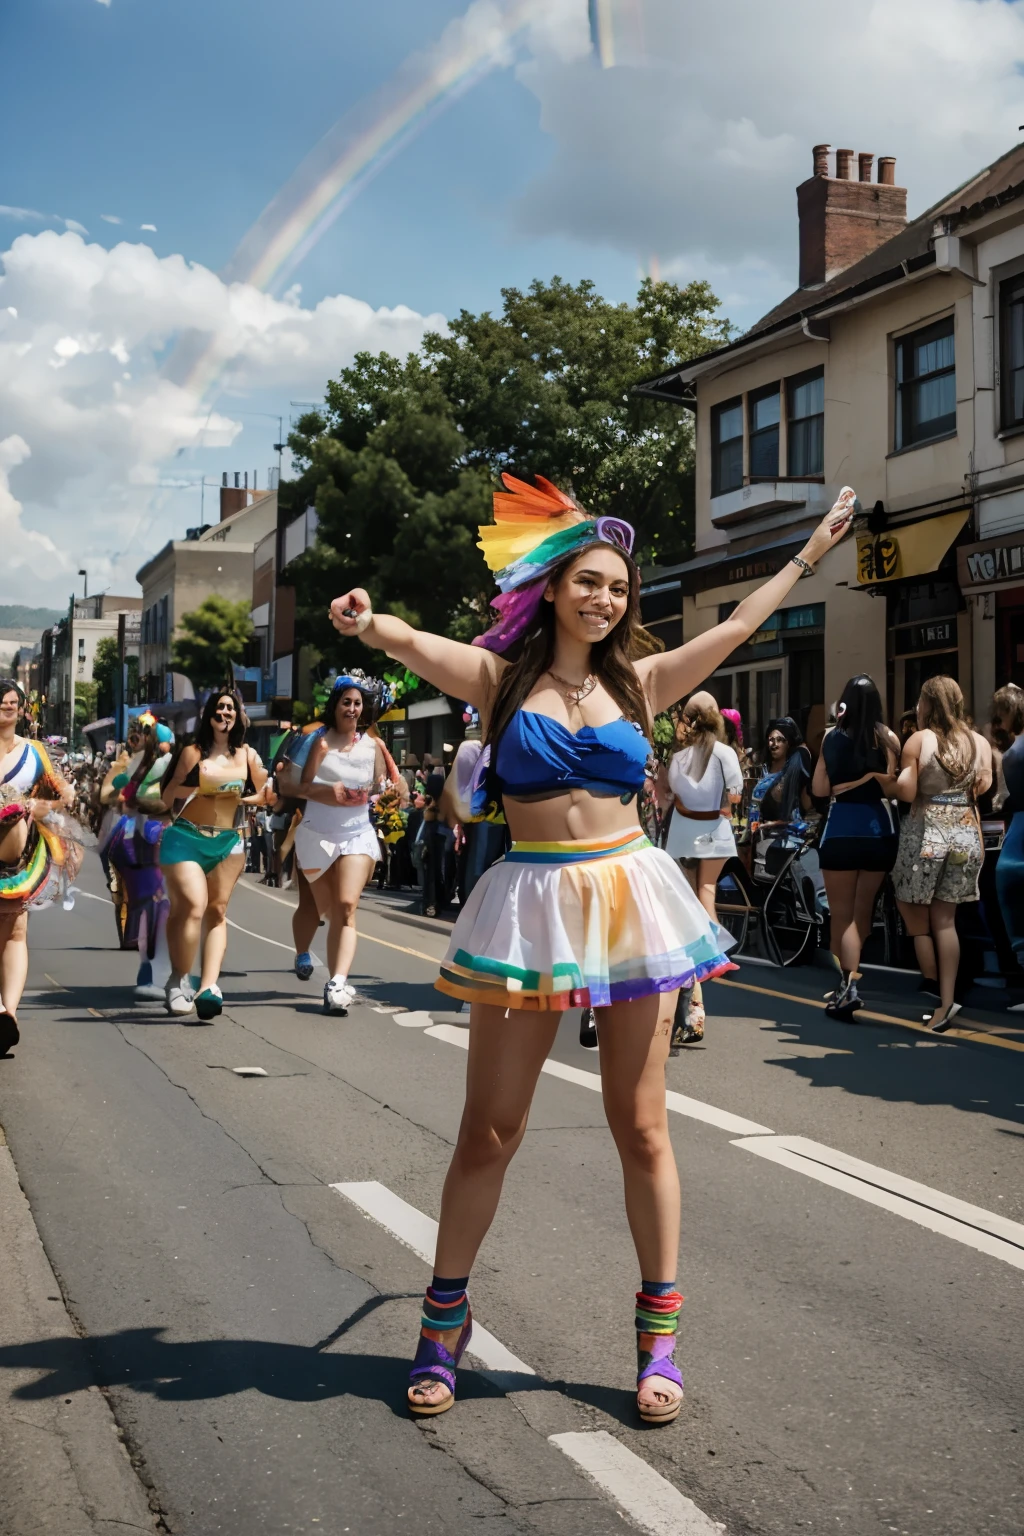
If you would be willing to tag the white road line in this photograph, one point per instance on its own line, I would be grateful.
(681, 1103)
(647, 1498)
(650, 1501)
(276, 942)
(419, 1233)
(983, 1230)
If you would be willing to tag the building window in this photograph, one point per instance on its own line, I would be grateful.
(806, 424)
(1011, 351)
(81, 649)
(925, 385)
(765, 413)
(727, 447)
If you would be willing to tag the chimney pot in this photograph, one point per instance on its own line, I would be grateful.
(224, 478)
(844, 161)
(238, 480)
(864, 162)
(843, 220)
(820, 153)
(886, 170)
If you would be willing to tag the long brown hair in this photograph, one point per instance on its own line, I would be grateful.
(611, 659)
(945, 709)
(702, 727)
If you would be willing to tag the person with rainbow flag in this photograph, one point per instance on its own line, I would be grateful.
(38, 855)
(582, 911)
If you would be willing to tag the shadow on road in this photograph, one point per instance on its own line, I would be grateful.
(885, 1063)
(141, 1360)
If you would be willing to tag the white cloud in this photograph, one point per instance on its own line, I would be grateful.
(696, 153)
(22, 215)
(111, 218)
(83, 334)
(24, 549)
(150, 227)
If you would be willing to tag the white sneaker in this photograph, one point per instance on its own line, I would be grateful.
(337, 996)
(178, 996)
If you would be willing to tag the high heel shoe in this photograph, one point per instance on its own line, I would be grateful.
(654, 1357)
(433, 1363)
(9, 1032)
(940, 1022)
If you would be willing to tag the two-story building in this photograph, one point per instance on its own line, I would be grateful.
(214, 559)
(897, 366)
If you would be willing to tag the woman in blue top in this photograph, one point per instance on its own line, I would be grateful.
(582, 911)
(858, 846)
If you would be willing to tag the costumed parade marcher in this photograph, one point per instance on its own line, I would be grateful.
(202, 852)
(336, 844)
(39, 855)
(133, 852)
(582, 911)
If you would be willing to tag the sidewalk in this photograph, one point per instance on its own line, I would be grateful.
(64, 1470)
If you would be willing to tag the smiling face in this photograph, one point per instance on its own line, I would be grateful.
(592, 595)
(10, 704)
(347, 710)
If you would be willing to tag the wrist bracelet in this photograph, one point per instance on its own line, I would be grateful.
(806, 569)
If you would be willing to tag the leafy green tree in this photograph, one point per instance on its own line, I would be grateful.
(85, 706)
(213, 636)
(104, 674)
(401, 460)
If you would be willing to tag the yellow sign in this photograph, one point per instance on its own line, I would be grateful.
(914, 549)
(878, 558)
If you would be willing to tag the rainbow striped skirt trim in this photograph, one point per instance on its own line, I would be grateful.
(581, 925)
(49, 863)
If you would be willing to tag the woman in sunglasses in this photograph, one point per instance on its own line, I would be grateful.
(202, 853)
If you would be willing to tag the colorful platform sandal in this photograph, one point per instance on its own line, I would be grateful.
(446, 1314)
(657, 1318)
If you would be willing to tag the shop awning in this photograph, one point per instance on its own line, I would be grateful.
(914, 549)
(722, 567)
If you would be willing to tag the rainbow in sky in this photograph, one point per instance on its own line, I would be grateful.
(617, 32)
(349, 156)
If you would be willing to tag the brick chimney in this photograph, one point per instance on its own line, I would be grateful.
(232, 497)
(842, 220)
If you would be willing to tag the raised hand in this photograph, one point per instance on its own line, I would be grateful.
(351, 613)
(833, 526)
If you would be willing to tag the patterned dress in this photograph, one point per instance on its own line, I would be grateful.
(941, 850)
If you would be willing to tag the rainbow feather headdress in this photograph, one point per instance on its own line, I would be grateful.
(534, 528)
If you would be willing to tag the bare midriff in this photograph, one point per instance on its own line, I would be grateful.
(572, 817)
(213, 808)
(13, 838)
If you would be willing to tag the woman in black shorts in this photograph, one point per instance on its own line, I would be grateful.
(857, 769)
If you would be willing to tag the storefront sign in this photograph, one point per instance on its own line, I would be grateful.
(878, 558)
(997, 560)
(938, 636)
(913, 549)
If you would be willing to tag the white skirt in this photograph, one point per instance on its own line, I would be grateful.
(331, 833)
(692, 839)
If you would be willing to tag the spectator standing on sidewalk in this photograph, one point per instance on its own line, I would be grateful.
(1008, 721)
(945, 766)
(858, 846)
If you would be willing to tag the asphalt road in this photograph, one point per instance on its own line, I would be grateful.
(851, 1339)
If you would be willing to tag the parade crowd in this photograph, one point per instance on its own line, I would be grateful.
(585, 871)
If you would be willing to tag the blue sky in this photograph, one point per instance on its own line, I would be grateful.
(189, 115)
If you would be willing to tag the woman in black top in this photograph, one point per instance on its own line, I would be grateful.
(857, 769)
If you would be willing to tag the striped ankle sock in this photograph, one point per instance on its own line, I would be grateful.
(445, 1304)
(658, 1305)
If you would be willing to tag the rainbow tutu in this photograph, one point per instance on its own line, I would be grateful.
(581, 925)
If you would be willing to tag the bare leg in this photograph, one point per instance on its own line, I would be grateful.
(634, 1042)
(220, 882)
(706, 880)
(841, 890)
(942, 916)
(915, 920)
(505, 1059)
(185, 885)
(338, 892)
(306, 918)
(869, 883)
(13, 959)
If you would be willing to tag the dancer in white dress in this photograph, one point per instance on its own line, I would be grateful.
(335, 844)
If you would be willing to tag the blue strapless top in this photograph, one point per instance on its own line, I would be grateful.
(539, 756)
